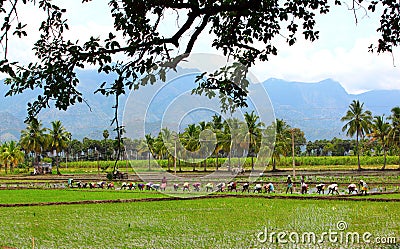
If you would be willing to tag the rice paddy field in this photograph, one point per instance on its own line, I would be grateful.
(223, 221)
(56, 195)
(302, 163)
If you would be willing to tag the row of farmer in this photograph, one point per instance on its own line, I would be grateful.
(221, 186)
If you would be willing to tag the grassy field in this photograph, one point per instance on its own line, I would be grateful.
(383, 196)
(199, 223)
(22, 196)
(56, 195)
(328, 163)
(302, 163)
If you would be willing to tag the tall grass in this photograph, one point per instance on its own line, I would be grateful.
(338, 160)
(285, 162)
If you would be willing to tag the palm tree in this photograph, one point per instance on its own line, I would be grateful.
(161, 145)
(191, 141)
(168, 138)
(11, 154)
(14, 155)
(227, 141)
(254, 133)
(217, 126)
(2, 157)
(358, 123)
(203, 126)
(235, 139)
(282, 141)
(141, 146)
(58, 138)
(33, 138)
(217, 122)
(150, 145)
(394, 134)
(218, 146)
(380, 132)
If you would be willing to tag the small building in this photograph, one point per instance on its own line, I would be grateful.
(42, 168)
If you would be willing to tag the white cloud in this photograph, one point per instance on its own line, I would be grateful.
(340, 54)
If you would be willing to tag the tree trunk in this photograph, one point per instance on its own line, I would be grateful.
(217, 160)
(169, 168)
(358, 152)
(251, 155)
(398, 160)
(58, 166)
(149, 161)
(273, 164)
(36, 159)
(384, 159)
(229, 162)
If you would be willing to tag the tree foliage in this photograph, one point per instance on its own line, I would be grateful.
(245, 30)
(59, 138)
(358, 122)
(33, 138)
(380, 130)
(10, 155)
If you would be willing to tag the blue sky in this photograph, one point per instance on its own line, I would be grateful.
(341, 53)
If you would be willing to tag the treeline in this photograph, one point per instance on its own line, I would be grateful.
(10, 155)
(327, 161)
(218, 139)
(373, 133)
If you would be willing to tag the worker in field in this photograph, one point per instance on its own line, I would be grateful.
(320, 188)
(209, 186)
(352, 188)
(304, 186)
(164, 183)
(70, 182)
(363, 187)
(289, 183)
(269, 188)
(333, 188)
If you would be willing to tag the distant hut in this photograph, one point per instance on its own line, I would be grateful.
(42, 168)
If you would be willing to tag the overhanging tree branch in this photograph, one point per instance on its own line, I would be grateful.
(196, 34)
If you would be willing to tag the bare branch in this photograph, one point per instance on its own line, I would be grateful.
(196, 34)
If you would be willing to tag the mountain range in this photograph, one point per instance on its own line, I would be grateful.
(316, 108)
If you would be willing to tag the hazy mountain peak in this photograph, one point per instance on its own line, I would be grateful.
(315, 107)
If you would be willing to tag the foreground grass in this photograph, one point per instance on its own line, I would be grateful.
(23, 196)
(200, 223)
(67, 195)
(383, 196)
